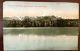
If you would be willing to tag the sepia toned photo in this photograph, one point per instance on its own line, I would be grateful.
(40, 25)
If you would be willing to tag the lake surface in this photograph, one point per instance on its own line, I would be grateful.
(41, 38)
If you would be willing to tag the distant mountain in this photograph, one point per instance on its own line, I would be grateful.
(21, 18)
(11, 18)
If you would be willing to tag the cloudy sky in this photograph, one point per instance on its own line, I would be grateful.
(19, 8)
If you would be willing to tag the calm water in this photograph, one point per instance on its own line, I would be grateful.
(48, 38)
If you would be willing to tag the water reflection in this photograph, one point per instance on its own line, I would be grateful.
(40, 42)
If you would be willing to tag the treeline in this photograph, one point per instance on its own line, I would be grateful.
(45, 21)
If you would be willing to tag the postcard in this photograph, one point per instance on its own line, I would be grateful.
(40, 25)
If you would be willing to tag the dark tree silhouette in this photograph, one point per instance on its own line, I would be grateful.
(40, 21)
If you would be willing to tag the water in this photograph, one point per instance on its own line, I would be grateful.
(49, 38)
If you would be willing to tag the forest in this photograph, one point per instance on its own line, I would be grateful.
(40, 21)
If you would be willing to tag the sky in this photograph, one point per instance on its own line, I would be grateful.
(65, 10)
